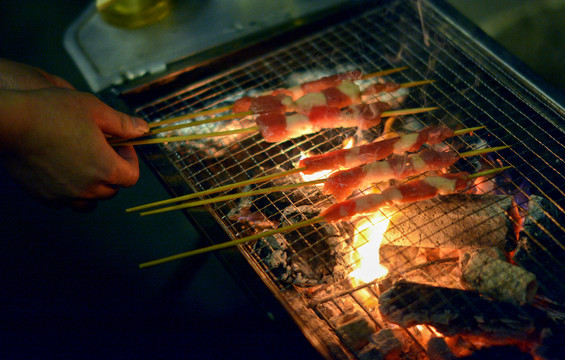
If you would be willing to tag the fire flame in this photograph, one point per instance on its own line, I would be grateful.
(367, 243)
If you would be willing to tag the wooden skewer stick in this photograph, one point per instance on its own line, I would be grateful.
(283, 187)
(257, 180)
(233, 242)
(186, 137)
(283, 229)
(190, 116)
(228, 107)
(384, 72)
(215, 190)
(234, 196)
(201, 122)
(415, 83)
(246, 130)
(233, 116)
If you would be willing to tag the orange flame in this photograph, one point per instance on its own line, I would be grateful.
(367, 243)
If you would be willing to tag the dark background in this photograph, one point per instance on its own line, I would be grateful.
(70, 287)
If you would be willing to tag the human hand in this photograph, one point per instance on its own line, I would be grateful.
(17, 76)
(58, 148)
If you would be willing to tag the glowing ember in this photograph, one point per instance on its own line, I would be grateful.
(367, 242)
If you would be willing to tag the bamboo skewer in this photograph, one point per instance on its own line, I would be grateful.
(253, 181)
(234, 196)
(230, 116)
(283, 229)
(282, 187)
(245, 130)
(186, 137)
(190, 116)
(215, 190)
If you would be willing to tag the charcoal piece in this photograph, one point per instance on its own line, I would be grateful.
(389, 342)
(453, 311)
(460, 221)
(310, 255)
(488, 272)
(541, 247)
(437, 349)
(355, 329)
(497, 353)
(369, 352)
(271, 204)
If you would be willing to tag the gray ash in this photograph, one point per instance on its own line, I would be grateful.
(308, 256)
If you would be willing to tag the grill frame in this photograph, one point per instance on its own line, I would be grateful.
(508, 72)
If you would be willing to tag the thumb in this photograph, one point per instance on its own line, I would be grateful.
(118, 124)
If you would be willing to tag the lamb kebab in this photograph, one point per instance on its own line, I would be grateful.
(280, 127)
(342, 183)
(345, 94)
(412, 191)
(335, 160)
(378, 150)
(295, 92)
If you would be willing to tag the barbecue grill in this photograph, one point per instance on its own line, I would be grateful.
(309, 271)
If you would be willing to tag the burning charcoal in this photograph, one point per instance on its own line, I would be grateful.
(437, 349)
(389, 342)
(355, 329)
(308, 256)
(459, 221)
(270, 204)
(497, 353)
(453, 311)
(541, 247)
(488, 272)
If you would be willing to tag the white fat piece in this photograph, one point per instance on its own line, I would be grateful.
(377, 171)
(350, 89)
(418, 162)
(352, 158)
(308, 101)
(405, 142)
(296, 91)
(298, 125)
(445, 186)
(373, 202)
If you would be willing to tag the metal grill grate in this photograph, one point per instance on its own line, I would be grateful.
(472, 88)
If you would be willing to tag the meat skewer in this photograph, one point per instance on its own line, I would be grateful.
(411, 191)
(378, 150)
(346, 94)
(343, 185)
(281, 103)
(257, 180)
(277, 127)
(312, 86)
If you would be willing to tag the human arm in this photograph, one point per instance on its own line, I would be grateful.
(53, 142)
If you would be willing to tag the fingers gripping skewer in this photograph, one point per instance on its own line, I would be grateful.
(460, 177)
